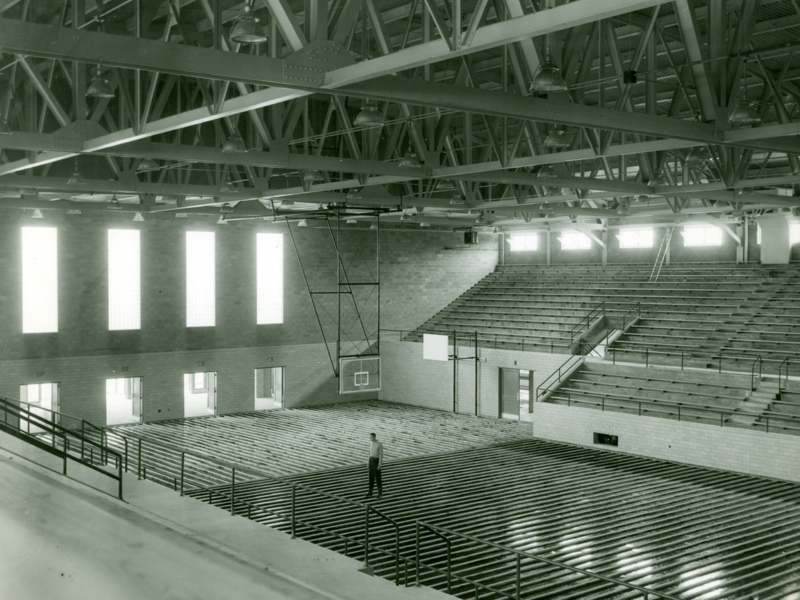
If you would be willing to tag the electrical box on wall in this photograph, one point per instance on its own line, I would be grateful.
(606, 439)
(470, 237)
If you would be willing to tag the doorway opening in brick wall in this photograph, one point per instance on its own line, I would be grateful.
(200, 394)
(269, 388)
(43, 401)
(123, 400)
(515, 392)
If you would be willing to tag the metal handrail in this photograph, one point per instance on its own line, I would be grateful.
(519, 555)
(557, 373)
(620, 324)
(293, 485)
(758, 360)
(600, 308)
(9, 406)
(678, 405)
(786, 361)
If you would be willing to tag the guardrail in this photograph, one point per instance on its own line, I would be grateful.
(605, 403)
(562, 369)
(598, 310)
(786, 362)
(16, 410)
(635, 312)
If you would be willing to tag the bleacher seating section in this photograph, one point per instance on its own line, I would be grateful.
(693, 313)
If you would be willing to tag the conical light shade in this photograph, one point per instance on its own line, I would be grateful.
(745, 113)
(302, 223)
(697, 156)
(114, 204)
(99, 87)
(227, 188)
(547, 171)
(221, 220)
(246, 30)
(457, 200)
(446, 185)
(138, 217)
(480, 220)
(405, 217)
(37, 214)
(657, 180)
(4, 128)
(368, 116)
(548, 78)
(234, 145)
(148, 164)
(309, 178)
(409, 161)
(557, 138)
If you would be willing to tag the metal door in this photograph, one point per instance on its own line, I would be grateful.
(509, 392)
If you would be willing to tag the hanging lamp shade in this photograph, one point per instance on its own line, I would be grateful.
(99, 86)
(406, 217)
(557, 138)
(138, 217)
(302, 223)
(698, 156)
(657, 180)
(369, 115)
(624, 208)
(457, 200)
(446, 185)
(76, 178)
(745, 113)
(234, 144)
(481, 220)
(548, 78)
(246, 30)
(547, 172)
(114, 204)
(221, 220)
(37, 214)
(4, 128)
(227, 187)
(409, 161)
(148, 164)
(309, 178)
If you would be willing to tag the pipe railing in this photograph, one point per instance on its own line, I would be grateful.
(598, 310)
(563, 369)
(757, 361)
(786, 362)
(519, 555)
(635, 312)
(294, 486)
(681, 407)
(15, 410)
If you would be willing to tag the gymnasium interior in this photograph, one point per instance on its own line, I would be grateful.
(546, 251)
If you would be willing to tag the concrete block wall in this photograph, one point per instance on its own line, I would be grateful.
(407, 378)
(308, 378)
(421, 270)
(727, 448)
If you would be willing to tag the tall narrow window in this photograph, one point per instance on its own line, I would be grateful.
(269, 278)
(702, 235)
(574, 240)
(632, 237)
(524, 243)
(124, 279)
(39, 280)
(200, 275)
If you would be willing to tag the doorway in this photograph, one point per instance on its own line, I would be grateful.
(123, 401)
(43, 401)
(199, 394)
(269, 388)
(515, 392)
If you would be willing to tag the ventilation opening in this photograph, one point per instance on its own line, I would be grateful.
(605, 438)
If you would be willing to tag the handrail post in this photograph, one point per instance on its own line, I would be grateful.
(449, 570)
(647, 357)
(417, 562)
(183, 460)
(681, 359)
(233, 487)
(138, 461)
(397, 554)
(294, 503)
(519, 574)
(720, 360)
(125, 440)
(366, 536)
(83, 436)
(679, 412)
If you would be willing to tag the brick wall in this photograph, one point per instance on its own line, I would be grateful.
(407, 378)
(421, 271)
(751, 452)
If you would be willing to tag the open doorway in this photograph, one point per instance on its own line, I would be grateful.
(269, 388)
(42, 400)
(515, 392)
(199, 394)
(123, 401)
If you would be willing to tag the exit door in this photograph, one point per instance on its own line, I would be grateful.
(269, 388)
(123, 401)
(515, 392)
(199, 394)
(42, 401)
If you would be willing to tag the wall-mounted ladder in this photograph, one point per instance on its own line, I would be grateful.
(662, 254)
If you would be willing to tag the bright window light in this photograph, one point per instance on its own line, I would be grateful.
(630, 237)
(574, 240)
(794, 234)
(39, 280)
(124, 279)
(269, 278)
(702, 235)
(200, 275)
(524, 243)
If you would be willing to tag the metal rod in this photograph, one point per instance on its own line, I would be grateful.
(476, 371)
(233, 487)
(417, 562)
(138, 462)
(455, 371)
(183, 461)
(519, 575)
(294, 504)
(366, 536)
(449, 570)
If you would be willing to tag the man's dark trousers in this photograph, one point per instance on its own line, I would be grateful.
(374, 475)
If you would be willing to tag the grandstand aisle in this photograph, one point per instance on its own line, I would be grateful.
(684, 531)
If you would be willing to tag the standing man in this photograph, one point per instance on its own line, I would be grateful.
(375, 464)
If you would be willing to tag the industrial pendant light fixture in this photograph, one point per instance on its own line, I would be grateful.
(557, 138)
(77, 177)
(234, 144)
(246, 30)
(369, 115)
(147, 164)
(99, 86)
(746, 111)
(310, 178)
(698, 156)
(548, 78)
